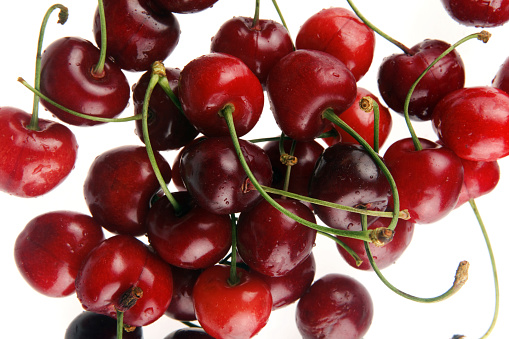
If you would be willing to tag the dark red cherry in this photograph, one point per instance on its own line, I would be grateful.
(346, 174)
(168, 127)
(259, 46)
(212, 81)
(90, 325)
(213, 175)
(137, 34)
(302, 85)
(478, 13)
(231, 311)
(184, 6)
(182, 303)
(335, 306)
(501, 79)
(340, 32)
(114, 268)
(398, 72)
(474, 123)
(51, 248)
(429, 181)
(33, 163)
(119, 186)
(68, 78)
(270, 242)
(480, 178)
(189, 333)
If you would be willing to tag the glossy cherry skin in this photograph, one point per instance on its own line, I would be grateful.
(335, 306)
(480, 178)
(346, 174)
(363, 122)
(137, 34)
(398, 72)
(215, 178)
(429, 181)
(474, 123)
(118, 264)
(225, 311)
(184, 6)
(501, 79)
(193, 238)
(51, 248)
(67, 77)
(33, 163)
(302, 85)
(340, 32)
(259, 46)
(119, 186)
(182, 303)
(270, 242)
(478, 13)
(210, 82)
(90, 325)
(168, 128)
(189, 333)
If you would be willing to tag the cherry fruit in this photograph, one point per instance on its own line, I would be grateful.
(182, 303)
(90, 325)
(184, 6)
(478, 13)
(480, 178)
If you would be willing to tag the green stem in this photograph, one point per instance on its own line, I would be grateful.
(256, 16)
(165, 86)
(234, 279)
(283, 22)
(62, 18)
(349, 250)
(99, 67)
(120, 324)
(289, 164)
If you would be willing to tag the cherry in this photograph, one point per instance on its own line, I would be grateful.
(215, 178)
(501, 79)
(168, 128)
(302, 85)
(191, 238)
(346, 174)
(137, 34)
(185, 6)
(429, 180)
(478, 13)
(480, 178)
(231, 311)
(398, 72)
(189, 333)
(182, 303)
(51, 248)
(90, 325)
(260, 45)
(213, 81)
(119, 186)
(340, 32)
(68, 78)
(116, 266)
(474, 123)
(335, 306)
(33, 162)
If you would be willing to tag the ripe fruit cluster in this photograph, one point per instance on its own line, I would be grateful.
(146, 256)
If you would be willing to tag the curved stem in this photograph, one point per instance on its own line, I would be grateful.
(234, 279)
(99, 67)
(276, 6)
(165, 86)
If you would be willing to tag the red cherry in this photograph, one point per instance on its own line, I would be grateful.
(184, 6)
(182, 303)
(340, 32)
(67, 77)
(474, 123)
(231, 311)
(478, 13)
(480, 178)
(33, 162)
(89, 325)
(51, 248)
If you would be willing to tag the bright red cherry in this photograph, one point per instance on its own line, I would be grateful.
(89, 325)
(480, 178)
(184, 6)
(478, 13)
(474, 123)
(32, 163)
(68, 78)
(340, 32)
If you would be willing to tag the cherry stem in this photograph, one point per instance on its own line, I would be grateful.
(99, 68)
(234, 279)
(120, 324)
(483, 36)
(283, 22)
(165, 86)
(459, 280)
(330, 134)
(405, 49)
(62, 18)
(493, 266)
(256, 16)
(367, 104)
(349, 250)
(288, 159)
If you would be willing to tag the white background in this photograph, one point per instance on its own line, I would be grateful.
(426, 269)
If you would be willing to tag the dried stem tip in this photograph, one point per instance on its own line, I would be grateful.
(381, 236)
(366, 104)
(129, 298)
(461, 274)
(288, 160)
(484, 36)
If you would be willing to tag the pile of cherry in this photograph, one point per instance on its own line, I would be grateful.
(170, 253)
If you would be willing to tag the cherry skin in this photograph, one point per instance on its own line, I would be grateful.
(113, 268)
(302, 85)
(119, 186)
(474, 123)
(182, 303)
(90, 325)
(340, 32)
(270, 242)
(189, 333)
(212, 81)
(68, 78)
(33, 163)
(478, 13)
(184, 6)
(501, 79)
(137, 34)
(51, 248)
(231, 311)
(260, 46)
(168, 128)
(335, 306)
(398, 72)
(480, 178)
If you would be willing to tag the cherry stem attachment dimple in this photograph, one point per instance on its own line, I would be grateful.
(233, 279)
(98, 70)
